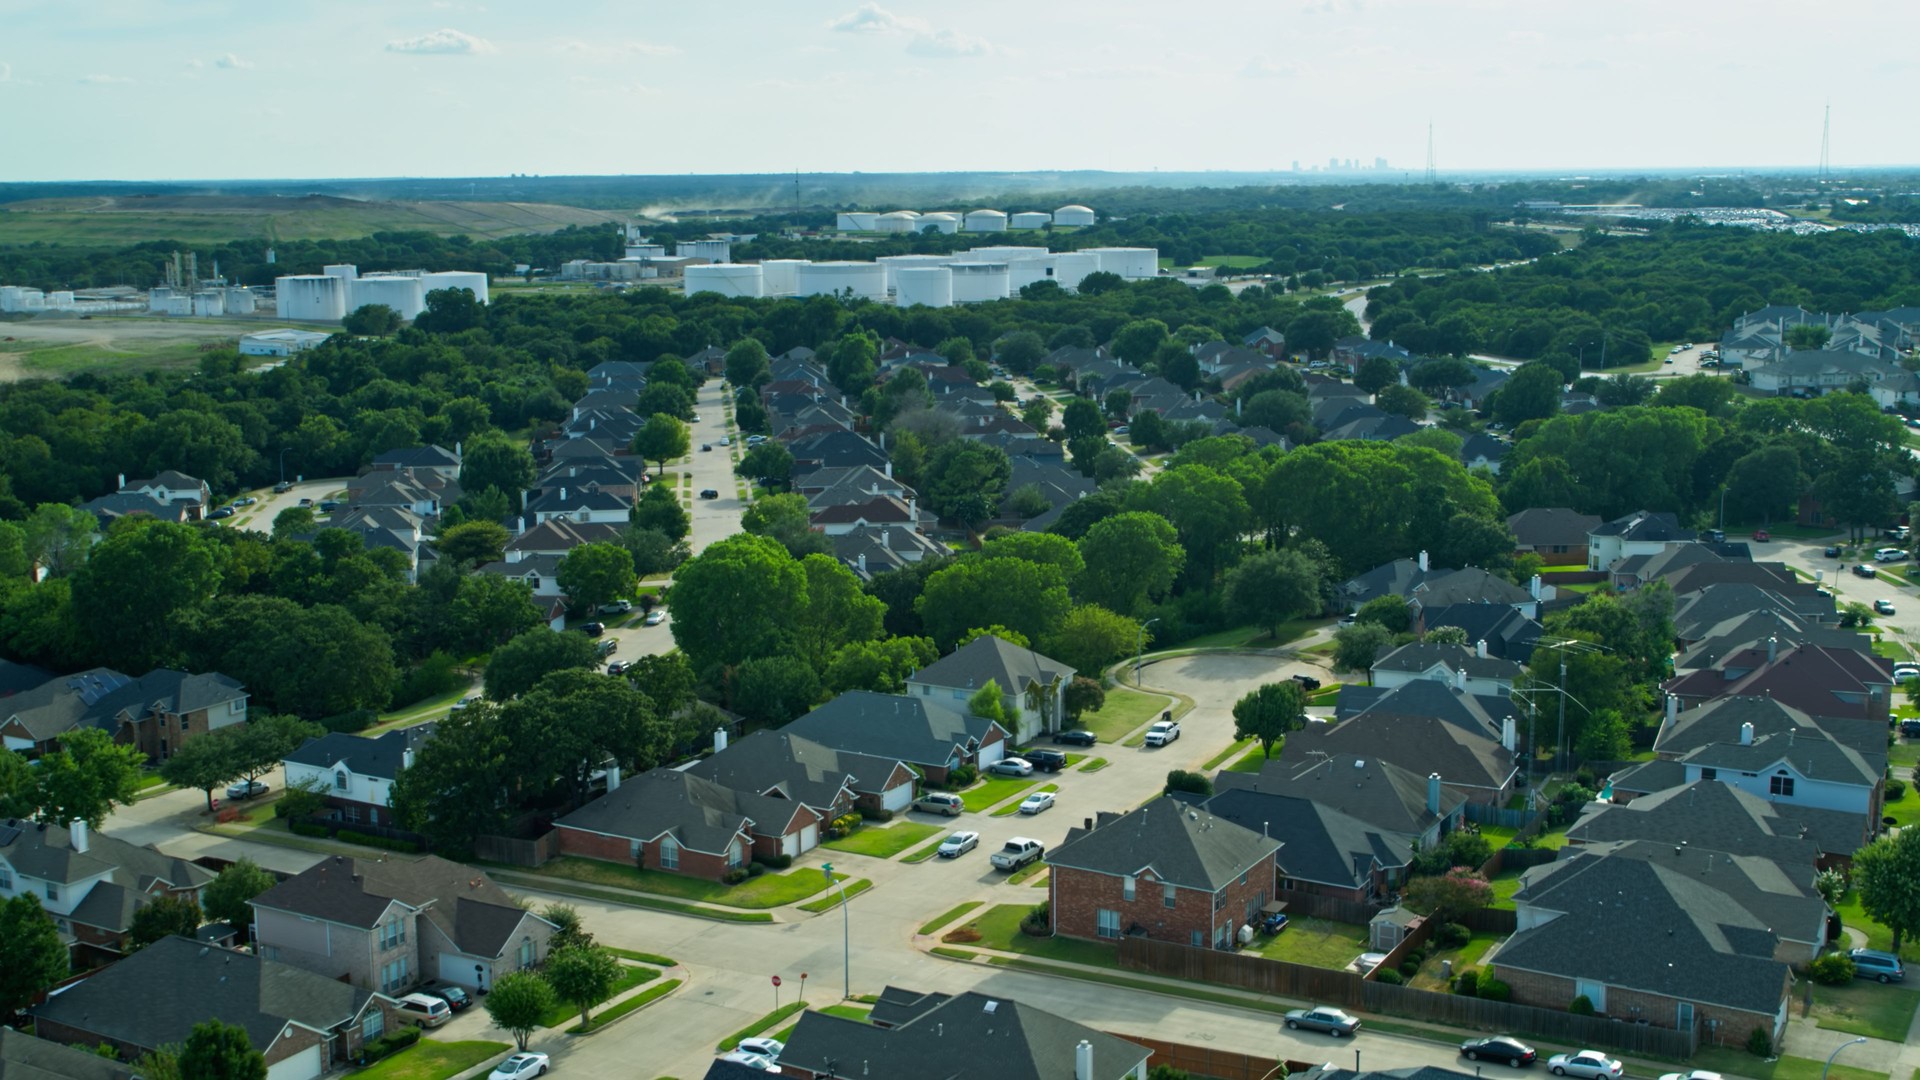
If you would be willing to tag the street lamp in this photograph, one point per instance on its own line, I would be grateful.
(283, 463)
(1836, 1053)
(846, 921)
(1140, 644)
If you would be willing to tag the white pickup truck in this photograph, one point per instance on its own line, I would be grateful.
(1163, 732)
(1019, 852)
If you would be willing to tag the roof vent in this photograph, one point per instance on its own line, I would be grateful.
(990, 1007)
(1359, 763)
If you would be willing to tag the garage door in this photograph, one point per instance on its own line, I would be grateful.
(458, 969)
(897, 798)
(304, 1065)
(809, 837)
(991, 754)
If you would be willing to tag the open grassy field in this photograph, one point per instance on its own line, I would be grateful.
(55, 348)
(1125, 710)
(120, 221)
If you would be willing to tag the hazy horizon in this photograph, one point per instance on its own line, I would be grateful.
(211, 91)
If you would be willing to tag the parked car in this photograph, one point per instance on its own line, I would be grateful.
(1163, 732)
(1499, 1048)
(1879, 966)
(219, 512)
(751, 1061)
(765, 1046)
(245, 500)
(959, 844)
(306, 502)
(1038, 802)
(1076, 737)
(705, 447)
(1833, 551)
(1695, 1074)
(1307, 682)
(709, 493)
(1910, 728)
(1047, 760)
(424, 1011)
(607, 646)
(618, 607)
(593, 629)
(1883, 607)
(1862, 570)
(328, 506)
(520, 1066)
(247, 789)
(655, 617)
(1330, 1020)
(282, 487)
(618, 667)
(940, 802)
(454, 996)
(1011, 766)
(1889, 554)
(470, 699)
(1591, 1064)
(1017, 853)
(1762, 535)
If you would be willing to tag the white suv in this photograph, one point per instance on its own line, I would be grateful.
(1889, 554)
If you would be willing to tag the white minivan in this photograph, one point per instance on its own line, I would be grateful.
(421, 1010)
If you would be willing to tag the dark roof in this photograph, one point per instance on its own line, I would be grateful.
(1781, 897)
(1428, 697)
(791, 766)
(1461, 756)
(696, 812)
(474, 913)
(989, 658)
(1420, 656)
(381, 757)
(1711, 815)
(16, 677)
(1508, 632)
(1644, 526)
(178, 983)
(47, 852)
(23, 1057)
(1317, 843)
(1820, 681)
(1469, 586)
(1547, 526)
(1377, 792)
(911, 729)
(1396, 578)
(1177, 844)
(1719, 721)
(419, 457)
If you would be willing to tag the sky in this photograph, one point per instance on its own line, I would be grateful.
(199, 89)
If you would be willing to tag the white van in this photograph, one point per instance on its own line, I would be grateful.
(423, 1011)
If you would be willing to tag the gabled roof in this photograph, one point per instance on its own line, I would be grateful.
(908, 728)
(1811, 678)
(780, 763)
(16, 678)
(559, 537)
(1423, 657)
(1509, 634)
(171, 479)
(474, 913)
(46, 852)
(423, 457)
(1549, 526)
(1643, 526)
(1471, 585)
(1317, 843)
(1397, 578)
(1695, 615)
(1755, 629)
(990, 658)
(1720, 721)
(1781, 897)
(23, 1057)
(696, 812)
(1715, 816)
(1377, 792)
(178, 983)
(380, 757)
(1178, 844)
(1462, 757)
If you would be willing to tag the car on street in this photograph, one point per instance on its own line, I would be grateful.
(1693, 1074)
(655, 617)
(1903, 672)
(618, 667)
(247, 789)
(1762, 535)
(607, 646)
(1011, 766)
(618, 607)
(1862, 570)
(465, 702)
(1504, 1048)
(1307, 682)
(1076, 737)
(940, 802)
(306, 502)
(1879, 966)
(1017, 853)
(1038, 802)
(521, 1066)
(593, 629)
(1046, 760)
(705, 447)
(709, 493)
(328, 506)
(1889, 554)
(219, 512)
(959, 844)
(282, 487)
(1883, 607)
(751, 1061)
(1163, 732)
(766, 1046)
(245, 500)
(1833, 551)
(1332, 1021)
(1591, 1064)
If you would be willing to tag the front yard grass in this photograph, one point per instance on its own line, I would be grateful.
(1904, 811)
(883, 843)
(638, 1001)
(1125, 709)
(1256, 759)
(1731, 1061)
(1095, 764)
(999, 928)
(766, 891)
(429, 1059)
(832, 899)
(1866, 1008)
(1878, 936)
(1317, 943)
(948, 916)
(1232, 749)
(1013, 808)
(758, 1026)
(992, 789)
(631, 975)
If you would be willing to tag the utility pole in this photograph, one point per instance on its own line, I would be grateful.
(1560, 749)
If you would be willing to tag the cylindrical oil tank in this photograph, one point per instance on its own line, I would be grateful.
(986, 221)
(1132, 263)
(239, 301)
(1073, 214)
(341, 270)
(867, 280)
(945, 223)
(1071, 266)
(60, 301)
(157, 298)
(975, 283)
(179, 304)
(646, 251)
(206, 303)
(855, 221)
(727, 279)
(1021, 272)
(1001, 253)
(473, 281)
(780, 277)
(897, 221)
(405, 295)
(895, 263)
(311, 296)
(1030, 219)
(929, 285)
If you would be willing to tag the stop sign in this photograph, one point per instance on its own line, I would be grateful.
(776, 980)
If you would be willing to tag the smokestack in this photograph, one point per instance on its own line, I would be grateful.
(1746, 734)
(1423, 562)
(1507, 734)
(719, 739)
(1433, 794)
(77, 836)
(1083, 1061)
(863, 562)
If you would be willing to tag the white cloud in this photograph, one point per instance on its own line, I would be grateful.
(948, 43)
(923, 39)
(1265, 67)
(104, 80)
(873, 19)
(615, 49)
(232, 63)
(442, 42)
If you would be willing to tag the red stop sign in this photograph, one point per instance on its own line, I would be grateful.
(776, 980)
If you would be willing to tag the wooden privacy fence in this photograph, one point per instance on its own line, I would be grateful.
(515, 851)
(1322, 986)
(1482, 814)
(1207, 1061)
(1301, 903)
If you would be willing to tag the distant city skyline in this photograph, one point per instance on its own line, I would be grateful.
(165, 90)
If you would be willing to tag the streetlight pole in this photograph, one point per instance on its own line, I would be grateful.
(1723, 509)
(846, 922)
(1139, 647)
(283, 463)
(1836, 1053)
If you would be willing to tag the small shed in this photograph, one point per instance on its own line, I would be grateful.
(1389, 928)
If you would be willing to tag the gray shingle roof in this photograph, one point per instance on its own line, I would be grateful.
(1461, 756)
(1179, 844)
(1509, 634)
(1548, 526)
(1720, 720)
(1715, 816)
(23, 1057)
(474, 913)
(381, 757)
(1317, 843)
(696, 812)
(1377, 792)
(1469, 586)
(1645, 525)
(986, 658)
(911, 729)
(1420, 656)
(1428, 697)
(795, 767)
(46, 852)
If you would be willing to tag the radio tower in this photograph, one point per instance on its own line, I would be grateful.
(1826, 129)
(1430, 171)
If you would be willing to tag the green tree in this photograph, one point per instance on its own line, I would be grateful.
(468, 544)
(1314, 332)
(493, 461)
(1131, 559)
(449, 311)
(60, 537)
(1043, 548)
(1532, 393)
(769, 464)
(1091, 637)
(371, 320)
(735, 600)
(1884, 872)
(1356, 647)
(312, 662)
(1375, 374)
(1137, 341)
(1028, 501)
(515, 667)
(1269, 712)
(1026, 597)
(1037, 413)
(594, 574)
(1389, 611)
(880, 666)
(569, 932)
(221, 1051)
(1857, 490)
(517, 1002)
(1403, 401)
(788, 519)
(837, 611)
(653, 551)
(163, 916)
(19, 786)
(138, 578)
(1208, 510)
(457, 787)
(1083, 696)
(205, 763)
(771, 690)
(1019, 351)
(1082, 420)
(229, 896)
(582, 978)
(86, 778)
(662, 438)
(746, 362)
(660, 510)
(964, 480)
(32, 957)
(989, 703)
(1808, 336)
(1448, 896)
(488, 610)
(1273, 587)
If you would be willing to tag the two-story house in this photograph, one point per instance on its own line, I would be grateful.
(156, 712)
(1032, 687)
(1469, 669)
(388, 924)
(1380, 793)
(1169, 871)
(356, 773)
(90, 883)
(1642, 532)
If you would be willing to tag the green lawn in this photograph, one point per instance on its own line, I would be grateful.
(1878, 936)
(1253, 637)
(1124, 710)
(1505, 884)
(766, 891)
(948, 916)
(630, 977)
(1025, 872)
(1905, 811)
(832, 899)
(1255, 759)
(638, 1001)
(1317, 942)
(431, 1060)
(883, 843)
(1095, 764)
(1731, 1061)
(999, 928)
(643, 957)
(1866, 1008)
(1013, 808)
(1232, 749)
(758, 1026)
(1464, 957)
(1498, 836)
(993, 789)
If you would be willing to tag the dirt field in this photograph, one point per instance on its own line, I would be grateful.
(113, 222)
(57, 348)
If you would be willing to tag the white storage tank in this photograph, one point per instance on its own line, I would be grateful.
(405, 295)
(899, 221)
(1069, 267)
(780, 277)
(727, 279)
(240, 301)
(341, 270)
(646, 251)
(975, 283)
(895, 263)
(867, 280)
(855, 221)
(928, 285)
(320, 297)
(944, 223)
(1022, 272)
(1002, 253)
(60, 301)
(1030, 219)
(207, 303)
(986, 221)
(178, 304)
(714, 251)
(473, 281)
(1132, 263)
(1073, 214)
(157, 298)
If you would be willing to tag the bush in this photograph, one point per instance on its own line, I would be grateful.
(755, 869)
(1196, 783)
(1416, 957)
(779, 861)
(1389, 976)
(1467, 983)
(350, 722)
(961, 776)
(370, 840)
(875, 815)
(306, 828)
(1451, 935)
(1410, 967)
(386, 1044)
(1833, 969)
(1493, 989)
(735, 876)
(1038, 920)
(1760, 1044)
(438, 674)
(1582, 1006)
(1896, 790)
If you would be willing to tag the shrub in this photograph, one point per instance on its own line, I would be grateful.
(1833, 969)
(875, 815)
(1410, 967)
(755, 869)
(1493, 989)
(1194, 782)
(1452, 935)
(1467, 983)
(306, 828)
(1416, 957)
(1896, 790)
(1389, 976)
(1760, 1044)
(357, 720)
(779, 861)
(398, 1039)
(961, 776)
(1832, 885)
(1582, 1006)
(735, 876)
(1039, 919)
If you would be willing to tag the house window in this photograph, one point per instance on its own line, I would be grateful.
(340, 781)
(526, 953)
(633, 850)
(1126, 888)
(374, 1023)
(393, 975)
(1196, 939)
(1168, 894)
(1709, 774)
(6, 879)
(393, 933)
(236, 707)
(353, 814)
(669, 854)
(1780, 784)
(53, 891)
(1107, 923)
(735, 856)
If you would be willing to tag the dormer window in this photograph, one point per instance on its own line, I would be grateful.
(1780, 784)
(340, 780)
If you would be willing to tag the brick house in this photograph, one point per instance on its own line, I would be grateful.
(154, 713)
(91, 884)
(388, 924)
(932, 735)
(682, 824)
(831, 782)
(1379, 793)
(1166, 871)
(356, 773)
(1556, 534)
(304, 1024)
(1032, 687)
(1323, 852)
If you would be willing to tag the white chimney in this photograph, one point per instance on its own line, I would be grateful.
(123, 482)
(77, 835)
(1460, 680)
(1083, 1061)
(1507, 734)
(1480, 648)
(563, 494)
(1533, 586)
(719, 739)
(613, 779)
(406, 758)
(1423, 562)
(1773, 649)
(889, 470)
(1746, 734)
(1433, 793)
(863, 562)
(1673, 707)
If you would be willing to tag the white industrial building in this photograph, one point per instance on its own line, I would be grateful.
(714, 251)
(1030, 219)
(982, 220)
(979, 282)
(855, 221)
(314, 297)
(280, 342)
(328, 297)
(974, 276)
(1073, 214)
(13, 298)
(1132, 263)
(780, 277)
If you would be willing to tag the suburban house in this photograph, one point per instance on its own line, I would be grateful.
(1556, 534)
(90, 883)
(172, 487)
(1487, 716)
(1706, 964)
(1033, 687)
(1506, 633)
(306, 1025)
(1722, 817)
(23, 1057)
(1476, 765)
(389, 924)
(435, 459)
(1481, 452)
(1323, 852)
(1167, 871)
(682, 824)
(1816, 679)
(1476, 586)
(832, 782)
(154, 713)
(539, 573)
(993, 1039)
(1469, 669)
(356, 773)
(1719, 609)
(1811, 372)
(1782, 898)
(932, 735)
(1642, 532)
(1377, 792)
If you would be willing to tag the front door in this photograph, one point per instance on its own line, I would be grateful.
(1683, 1016)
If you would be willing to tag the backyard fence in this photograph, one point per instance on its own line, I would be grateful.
(1207, 1061)
(1483, 814)
(515, 851)
(1313, 905)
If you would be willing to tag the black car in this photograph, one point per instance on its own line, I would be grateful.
(1862, 570)
(455, 997)
(1307, 682)
(220, 512)
(1499, 1048)
(593, 629)
(1046, 760)
(709, 493)
(328, 506)
(1077, 737)
(1833, 551)
(282, 488)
